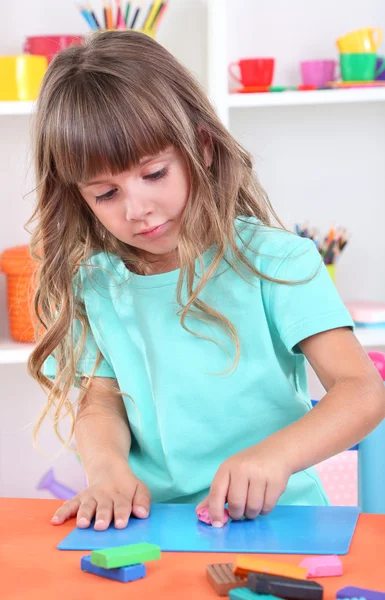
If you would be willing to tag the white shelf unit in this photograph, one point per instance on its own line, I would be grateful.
(14, 353)
(292, 98)
(16, 108)
(17, 353)
(228, 100)
(224, 101)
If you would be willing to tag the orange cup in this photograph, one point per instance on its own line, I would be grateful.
(20, 269)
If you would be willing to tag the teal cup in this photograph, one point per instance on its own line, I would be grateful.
(359, 67)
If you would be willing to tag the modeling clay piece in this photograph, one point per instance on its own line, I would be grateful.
(284, 587)
(222, 578)
(122, 556)
(123, 574)
(355, 592)
(204, 515)
(246, 564)
(245, 594)
(322, 566)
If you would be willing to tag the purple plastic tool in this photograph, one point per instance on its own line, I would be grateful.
(57, 489)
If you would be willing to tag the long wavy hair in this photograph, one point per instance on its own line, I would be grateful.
(102, 107)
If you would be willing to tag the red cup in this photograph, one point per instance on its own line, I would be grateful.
(49, 45)
(253, 71)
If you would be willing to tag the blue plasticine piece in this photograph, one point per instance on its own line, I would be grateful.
(351, 592)
(123, 574)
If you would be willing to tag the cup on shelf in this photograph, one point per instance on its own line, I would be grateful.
(362, 40)
(360, 66)
(380, 68)
(318, 72)
(21, 77)
(20, 270)
(49, 45)
(253, 71)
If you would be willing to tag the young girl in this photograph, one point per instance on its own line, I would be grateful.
(169, 298)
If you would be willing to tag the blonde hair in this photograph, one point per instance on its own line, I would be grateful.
(102, 107)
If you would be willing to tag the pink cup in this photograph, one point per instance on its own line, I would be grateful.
(318, 72)
(49, 45)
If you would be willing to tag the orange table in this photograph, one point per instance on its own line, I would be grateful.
(32, 568)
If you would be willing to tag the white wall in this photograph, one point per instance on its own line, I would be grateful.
(325, 164)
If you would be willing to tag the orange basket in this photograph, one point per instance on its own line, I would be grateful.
(20, 269)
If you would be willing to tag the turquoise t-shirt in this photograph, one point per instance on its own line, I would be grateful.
(186, 416)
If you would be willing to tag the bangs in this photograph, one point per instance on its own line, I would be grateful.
(100, 128)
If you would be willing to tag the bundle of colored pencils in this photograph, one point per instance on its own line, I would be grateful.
(331, 246)
(128, 17)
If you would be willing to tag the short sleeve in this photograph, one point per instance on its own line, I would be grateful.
(87, 360)
(308, 305)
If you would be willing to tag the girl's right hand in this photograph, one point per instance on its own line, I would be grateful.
(112, 496)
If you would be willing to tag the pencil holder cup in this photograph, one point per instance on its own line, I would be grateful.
(331, 269)
(21, 77)
(150, 32)
(20, 269)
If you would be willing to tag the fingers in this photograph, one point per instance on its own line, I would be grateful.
(104, 512)
(86, 512)
(217, 497)
(237, 495)
(66, 511)
(141, 501)
(273, 493)
(122, 510)
(255, 498)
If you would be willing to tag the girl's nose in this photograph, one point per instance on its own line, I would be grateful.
(136, 210)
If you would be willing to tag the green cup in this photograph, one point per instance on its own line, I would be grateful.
(358, 67)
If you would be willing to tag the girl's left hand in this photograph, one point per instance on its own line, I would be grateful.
(251, 481)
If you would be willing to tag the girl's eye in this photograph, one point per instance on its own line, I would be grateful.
(106, 196)
(156, 175)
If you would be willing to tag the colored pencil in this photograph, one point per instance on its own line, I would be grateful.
(152, 19)
(110, 22)
(148, 16)
(160, 15)
(127, 12)
(331, 246)
(136, 14)
(92, 13)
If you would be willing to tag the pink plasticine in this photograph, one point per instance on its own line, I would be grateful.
(204, 515)
(322, 566)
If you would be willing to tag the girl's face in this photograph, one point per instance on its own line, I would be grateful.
(143, 207)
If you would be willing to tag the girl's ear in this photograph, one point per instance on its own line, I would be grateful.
(207, 145)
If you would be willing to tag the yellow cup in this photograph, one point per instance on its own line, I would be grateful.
(21, 76)
(332, 271)
(362, 40)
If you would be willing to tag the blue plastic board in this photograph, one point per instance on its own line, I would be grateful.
(175, 528)
(123, 574)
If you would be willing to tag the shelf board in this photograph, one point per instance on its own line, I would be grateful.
(14, 353)
(292, 98)
(16, 108)
(289, 98)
